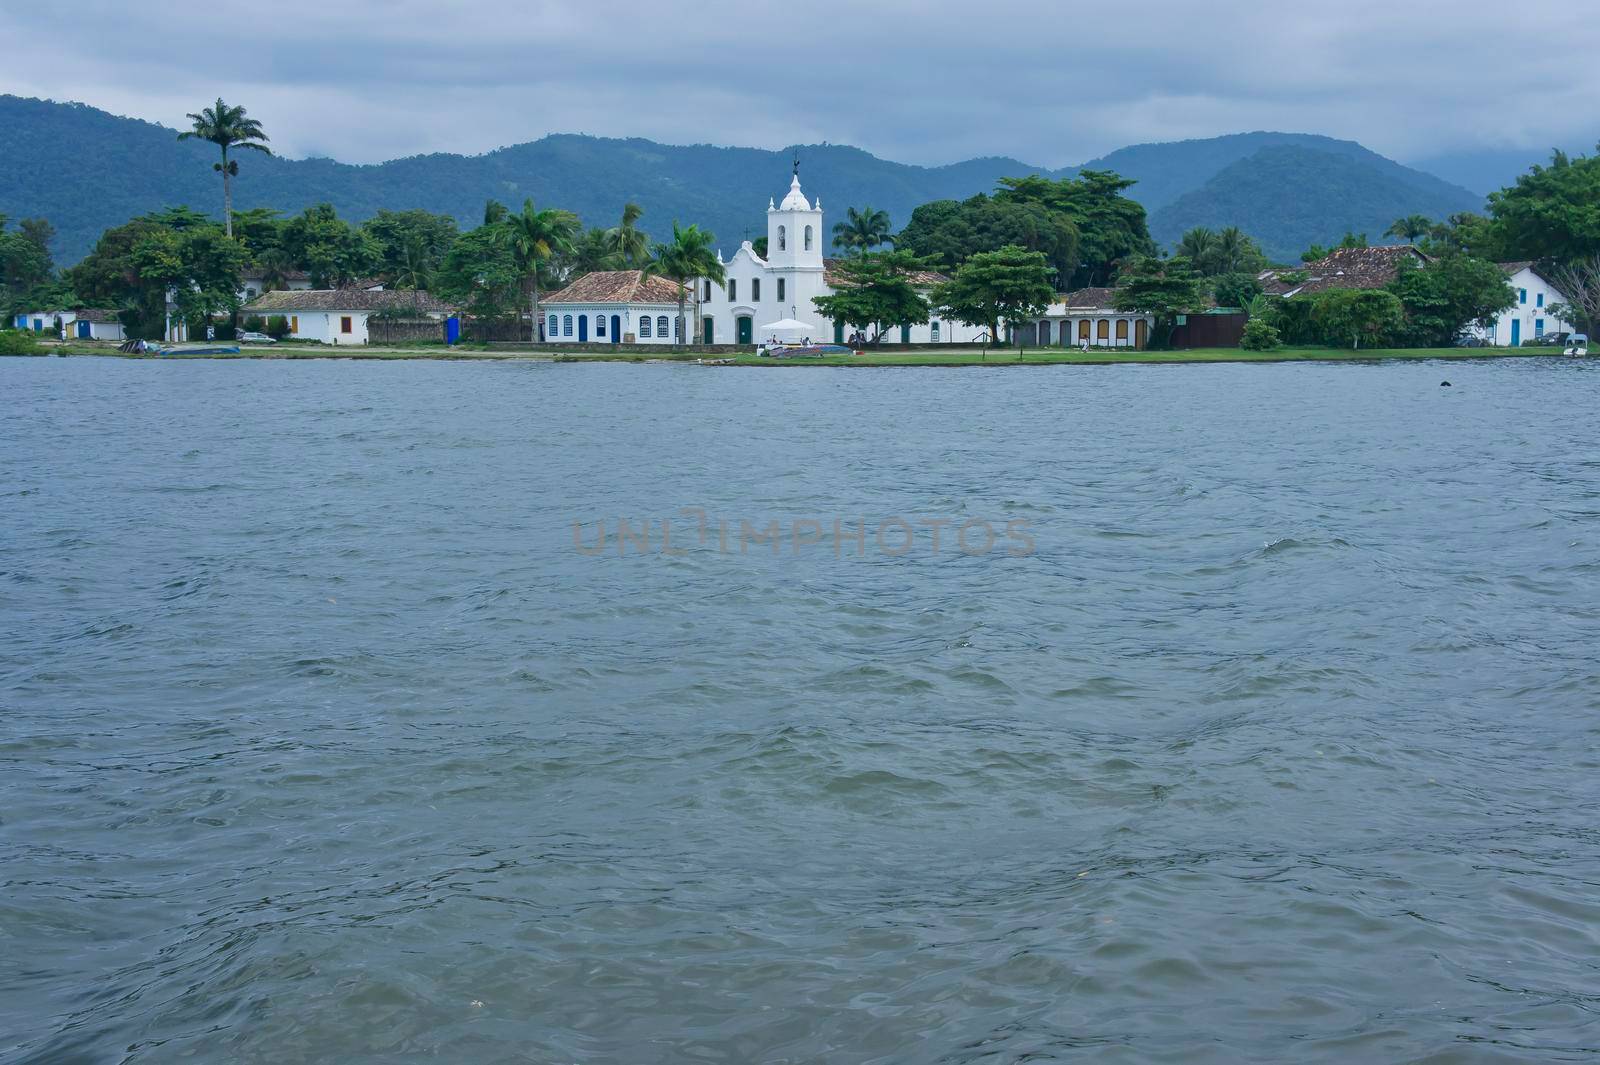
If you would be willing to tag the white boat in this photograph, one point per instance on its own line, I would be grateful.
(1577, 344)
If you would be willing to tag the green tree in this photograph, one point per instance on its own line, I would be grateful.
(877, 290)
(628, 244)
(595, 250)
(535, 238)
(1008, 285)
(480, 273)
(1199, 246)
(1109, 225)
(1552, 212)
(199, 268)
(227, 128)
(689, 257)
(1235, 290)
(861, 231)
(1449, 294)
(398, 237)
(1162, 288)
(1343, 316)
(331, 250)
(950, 233)
(1411, 228)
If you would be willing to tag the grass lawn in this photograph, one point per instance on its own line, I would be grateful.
(916, 357)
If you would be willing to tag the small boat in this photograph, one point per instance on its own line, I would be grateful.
(1577, 345)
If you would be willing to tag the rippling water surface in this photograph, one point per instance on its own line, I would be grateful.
(322, 742)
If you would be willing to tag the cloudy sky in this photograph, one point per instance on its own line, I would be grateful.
(1051, 82)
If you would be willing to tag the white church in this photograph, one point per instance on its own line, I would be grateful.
(758, 291)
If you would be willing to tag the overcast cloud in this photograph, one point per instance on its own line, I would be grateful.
(933, 81)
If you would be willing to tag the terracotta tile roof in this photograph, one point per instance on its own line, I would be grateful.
(97, 314)
(345, 299)
(1512, 269)
(833, 277)
(617, 286)
(1088, 299)
(1345, 268)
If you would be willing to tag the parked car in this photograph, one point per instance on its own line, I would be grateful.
(1544, 339)
(255, 338)
(1471, 342)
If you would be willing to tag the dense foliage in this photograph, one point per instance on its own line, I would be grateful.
(876, 292)
(1011, 284)
(1163, 288)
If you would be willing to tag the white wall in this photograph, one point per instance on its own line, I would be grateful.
(632, 316)
(1535, 295)
(324, 327)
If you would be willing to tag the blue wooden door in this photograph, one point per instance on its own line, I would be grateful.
(1516, 332)
(616, 329)
(583, 329)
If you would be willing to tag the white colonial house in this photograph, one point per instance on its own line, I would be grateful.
(1086, 316)
(254, 280)
(1530, 316)
(613, 307)
(339, 315)
(85, 323)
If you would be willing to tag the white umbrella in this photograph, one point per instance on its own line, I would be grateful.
(787, 325)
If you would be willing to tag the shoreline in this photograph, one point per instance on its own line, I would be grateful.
(995, 358)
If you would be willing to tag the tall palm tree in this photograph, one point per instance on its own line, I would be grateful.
(1235, 252)
(861, 230)
(1199, 246)
(227, 127)
(1411, 228)
(494, 211)
(686, 260)
(630, 243)
(535, 238)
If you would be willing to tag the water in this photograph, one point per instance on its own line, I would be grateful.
(322, 742)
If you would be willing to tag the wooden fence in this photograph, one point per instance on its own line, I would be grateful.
(403, 330)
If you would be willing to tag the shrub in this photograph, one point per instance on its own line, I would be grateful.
(255, 324)
(16, 342)
(277, 327)
(1259, 336)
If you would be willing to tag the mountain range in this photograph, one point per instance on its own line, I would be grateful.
(87, 170)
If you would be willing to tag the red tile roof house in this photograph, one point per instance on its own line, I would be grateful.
(614, 307)
(339, 316)
(1345, 268)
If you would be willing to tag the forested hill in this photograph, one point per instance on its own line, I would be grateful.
(86, 170)
(1289, 197)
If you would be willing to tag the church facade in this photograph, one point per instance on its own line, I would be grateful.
(785, 283)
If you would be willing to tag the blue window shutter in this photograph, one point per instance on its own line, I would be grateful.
(1539, 300)
(1522, 295)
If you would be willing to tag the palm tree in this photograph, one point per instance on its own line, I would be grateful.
(416, 269)
(593, 251)
(630, 243)
(686, 260)
(1236, 252)
(536, 237)
(1411, 228)
(861, 230)
(494, 211)
(1199, 246)
(227, 127)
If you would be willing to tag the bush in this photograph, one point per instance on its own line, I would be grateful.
(1259, 336)
(277, 327)
(16, 342)
(255, 324)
